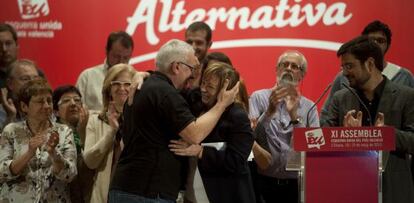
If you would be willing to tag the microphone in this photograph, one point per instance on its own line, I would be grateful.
(360, 101)
(317, 101)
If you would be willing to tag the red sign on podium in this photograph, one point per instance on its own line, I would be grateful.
(344, 139)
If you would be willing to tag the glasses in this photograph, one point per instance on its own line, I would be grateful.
(295, 67)
(70, 100)
(27, 78)
(118, 84)
(192, 68)
(47, 101)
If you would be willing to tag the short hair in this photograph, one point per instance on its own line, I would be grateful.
(33, 88)
(362, 48)
(173, 50)
(4, 27)
(304, 62)
(223, 72)
(113, 72)
(60, 91)
(378, 26)
(19, 63)
(123, 37)
(199, 25)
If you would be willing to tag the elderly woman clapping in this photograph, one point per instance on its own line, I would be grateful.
(37, 155)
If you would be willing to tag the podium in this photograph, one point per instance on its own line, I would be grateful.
(340, 165)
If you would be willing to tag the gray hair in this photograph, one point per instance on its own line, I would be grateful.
(304, 62)
(173, 50)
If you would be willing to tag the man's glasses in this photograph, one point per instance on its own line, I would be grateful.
(68, 100)
(28, 78)
(118, 84)
(295, 67)
(192, 68)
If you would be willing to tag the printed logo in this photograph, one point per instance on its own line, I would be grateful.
(315, 138)
(30, 9)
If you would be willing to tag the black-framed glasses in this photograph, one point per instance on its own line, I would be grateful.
(293, 66)
(192, 68)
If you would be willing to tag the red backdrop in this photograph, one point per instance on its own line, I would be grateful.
(65, 37)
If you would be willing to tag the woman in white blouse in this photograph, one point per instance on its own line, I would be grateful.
(102, 148)
(37, 155)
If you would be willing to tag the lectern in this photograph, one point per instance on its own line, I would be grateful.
(340, 165)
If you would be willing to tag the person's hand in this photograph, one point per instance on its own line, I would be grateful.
(52, 143)
(83, 118)
(292, 103)
(8, 105)
(136, 84)
(227, 97)
(277, 95)
(113, 116)
(35, 142)
(380, 120)
(353, 119)
(182, 148)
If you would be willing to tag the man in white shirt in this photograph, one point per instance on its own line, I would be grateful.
(119, 49)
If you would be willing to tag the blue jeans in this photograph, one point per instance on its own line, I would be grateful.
(116, 196)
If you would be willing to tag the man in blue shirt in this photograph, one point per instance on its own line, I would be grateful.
(275, 112)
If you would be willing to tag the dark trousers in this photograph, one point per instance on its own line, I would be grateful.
(275, 190)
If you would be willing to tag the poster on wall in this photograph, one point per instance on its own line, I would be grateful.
(66, 37)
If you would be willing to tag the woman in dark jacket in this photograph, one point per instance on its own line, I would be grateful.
(222, 157)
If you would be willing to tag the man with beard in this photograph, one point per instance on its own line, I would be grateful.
(199, 35)
(147, 170)
(119, 47)
(375, 100)
(274, 113)
(381, 34)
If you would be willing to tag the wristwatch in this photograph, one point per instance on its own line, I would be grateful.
(295, 122)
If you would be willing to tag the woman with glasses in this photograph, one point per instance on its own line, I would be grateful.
(37, 155)
(67, 105)
(102, 146)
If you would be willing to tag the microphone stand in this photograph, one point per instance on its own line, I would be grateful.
(317, 101)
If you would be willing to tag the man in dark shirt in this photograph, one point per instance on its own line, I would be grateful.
(147, 170)
(372, 99)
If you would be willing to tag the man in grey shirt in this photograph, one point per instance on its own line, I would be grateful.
(276, 111)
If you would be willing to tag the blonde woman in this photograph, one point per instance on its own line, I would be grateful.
(101, 146)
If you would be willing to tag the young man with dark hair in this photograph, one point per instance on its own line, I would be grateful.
(387, 104)
(381, 34)
(9, 48)
(199, 35)
(119, 49)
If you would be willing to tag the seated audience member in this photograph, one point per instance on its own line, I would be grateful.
(19, 73)
(37, 155)
(102, 146)
(373, 100)
(68, 108)
(224, 170)
(274, 113)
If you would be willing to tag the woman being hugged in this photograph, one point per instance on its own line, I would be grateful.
(102, 146)
(222, 157)
(37, 155)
